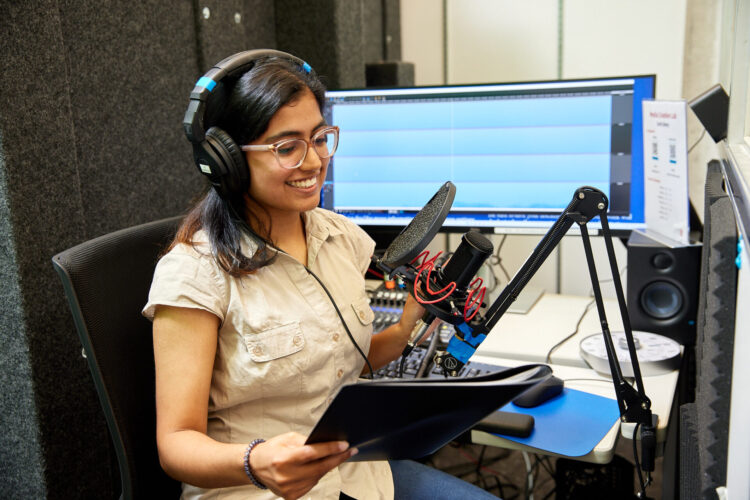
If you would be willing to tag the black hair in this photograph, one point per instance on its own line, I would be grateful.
(244, 112)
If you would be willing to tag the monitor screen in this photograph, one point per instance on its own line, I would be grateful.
(516, 152)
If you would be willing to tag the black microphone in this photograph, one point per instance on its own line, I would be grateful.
(460, 269)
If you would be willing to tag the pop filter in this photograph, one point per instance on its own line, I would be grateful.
(422, 228)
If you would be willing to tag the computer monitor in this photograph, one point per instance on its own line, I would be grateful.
(515, 151)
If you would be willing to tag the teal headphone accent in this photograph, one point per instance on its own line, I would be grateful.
(216, 154)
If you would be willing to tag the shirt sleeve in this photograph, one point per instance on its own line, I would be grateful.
(186, 278)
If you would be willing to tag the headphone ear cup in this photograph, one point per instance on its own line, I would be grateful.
(235, 176)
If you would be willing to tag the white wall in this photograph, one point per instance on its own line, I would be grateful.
(611, 37)
(501, 40)
(508, 40)
(422, 39)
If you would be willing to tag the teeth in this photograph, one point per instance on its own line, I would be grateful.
(305, 183)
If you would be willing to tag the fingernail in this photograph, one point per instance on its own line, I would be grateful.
(343, 445)
(353, 452)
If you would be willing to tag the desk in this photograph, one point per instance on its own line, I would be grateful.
(527, 338)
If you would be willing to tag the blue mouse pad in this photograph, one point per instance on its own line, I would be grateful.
(570, 424)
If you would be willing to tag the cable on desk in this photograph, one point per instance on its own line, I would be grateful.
(690, 149)
(493, 284)
(480, 477)
(555, 347)
(505, 486)
(608, 382)
(495, 260)
(528, 486)
(544, 462)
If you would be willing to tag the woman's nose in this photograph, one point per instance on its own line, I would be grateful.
(312, 160)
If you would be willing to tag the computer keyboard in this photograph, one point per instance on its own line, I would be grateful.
(413, 362)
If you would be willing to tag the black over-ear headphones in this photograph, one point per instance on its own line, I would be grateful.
(215, 152)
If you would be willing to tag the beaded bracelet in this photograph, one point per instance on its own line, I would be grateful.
(248, 471)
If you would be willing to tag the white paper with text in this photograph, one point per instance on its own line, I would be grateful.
(666, 169)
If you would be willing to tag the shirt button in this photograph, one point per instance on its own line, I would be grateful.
(257, 350)
(340, 373)
(335, 337)
(297, 340)
(362, 315)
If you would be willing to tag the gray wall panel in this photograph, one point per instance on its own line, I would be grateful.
(91, 141)
(41, 365)
(132, 67)
(329, 37)
(221, 27)
(259, 21)
(372, 31)
(392, 30)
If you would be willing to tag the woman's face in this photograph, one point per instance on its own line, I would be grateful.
(288, 192)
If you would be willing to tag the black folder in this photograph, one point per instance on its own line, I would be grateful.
(410, 419)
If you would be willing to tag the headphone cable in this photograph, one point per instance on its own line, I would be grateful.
(341, 317)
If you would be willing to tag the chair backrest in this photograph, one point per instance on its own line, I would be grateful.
(106, 282)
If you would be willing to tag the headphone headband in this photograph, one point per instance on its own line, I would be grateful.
(234, 65)
(216, 154)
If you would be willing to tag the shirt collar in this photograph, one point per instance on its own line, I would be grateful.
(316, 229)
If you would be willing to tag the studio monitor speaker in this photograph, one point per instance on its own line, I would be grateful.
(662, 289)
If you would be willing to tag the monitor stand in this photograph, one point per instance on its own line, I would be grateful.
(526, 300)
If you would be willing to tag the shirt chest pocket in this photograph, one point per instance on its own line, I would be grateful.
(363, 311)
(275, 343)
(359, 317)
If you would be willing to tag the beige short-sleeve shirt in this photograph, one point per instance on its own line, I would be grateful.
(282, 351)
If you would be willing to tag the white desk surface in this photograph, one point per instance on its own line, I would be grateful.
(530, 336)
(527, 338)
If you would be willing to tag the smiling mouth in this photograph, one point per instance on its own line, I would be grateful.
(304, 183)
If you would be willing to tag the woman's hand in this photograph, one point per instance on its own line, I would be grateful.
(390, 343)
(413, 311)
(290, 468)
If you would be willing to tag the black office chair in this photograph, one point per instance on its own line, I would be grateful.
(106, 282)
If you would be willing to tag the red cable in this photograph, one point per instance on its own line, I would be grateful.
(451, 285)
(475, 298)
(423, 255)
(379, 275)
(430, 265)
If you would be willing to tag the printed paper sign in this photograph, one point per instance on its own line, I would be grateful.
(666, 172)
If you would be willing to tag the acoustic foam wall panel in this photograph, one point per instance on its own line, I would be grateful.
(714, 346)
(39, 209)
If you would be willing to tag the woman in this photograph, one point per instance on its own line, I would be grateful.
(249, 347)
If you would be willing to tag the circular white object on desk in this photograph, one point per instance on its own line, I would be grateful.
(656, 353)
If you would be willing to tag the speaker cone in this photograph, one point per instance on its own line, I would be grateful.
(661, 300)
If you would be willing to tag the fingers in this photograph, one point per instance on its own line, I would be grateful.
(413, 311)
(291, 468)
(305, 477)
(329, 462)
(312, 452)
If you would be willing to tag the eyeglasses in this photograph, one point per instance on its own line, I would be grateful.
(291, 153)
